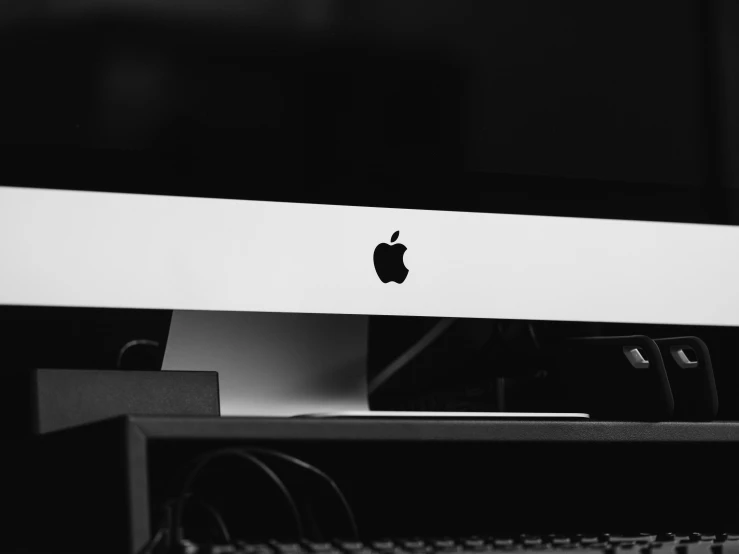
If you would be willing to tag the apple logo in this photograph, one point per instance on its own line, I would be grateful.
(389, 261)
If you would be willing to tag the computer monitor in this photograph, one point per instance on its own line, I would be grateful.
(159, 252)
(540, 162)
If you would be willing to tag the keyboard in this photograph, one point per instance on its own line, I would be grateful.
(637, 543)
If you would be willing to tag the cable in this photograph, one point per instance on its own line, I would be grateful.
(534, 336)
(401, 361)
(241, 454)
(149, 547)
(163, 532)
(313, 469)
(131, 344)
(206, 459)
(215, 514)
(218, 518)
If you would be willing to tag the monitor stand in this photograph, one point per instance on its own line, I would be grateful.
(275, 364)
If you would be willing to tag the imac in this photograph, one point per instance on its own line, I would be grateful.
(463, 161)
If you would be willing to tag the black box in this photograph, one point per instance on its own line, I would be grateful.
(62, 398)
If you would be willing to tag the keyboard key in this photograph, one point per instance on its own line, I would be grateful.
(383, 545)
(254, 548)
(729, 547)
(474, 542)
(702, 547)
(350, 546)
(531, 540)
(631, 537)
(413, 544)
(444, 543)
(287, 547)
(319, 546)
(666, 548)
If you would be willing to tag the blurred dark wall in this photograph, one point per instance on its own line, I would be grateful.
(609, 90)
(728, 64)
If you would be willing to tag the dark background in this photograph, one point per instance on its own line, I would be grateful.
(482, 106)
(616, 108)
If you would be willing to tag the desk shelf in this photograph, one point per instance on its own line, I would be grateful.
(119, 471)
(294, 429)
